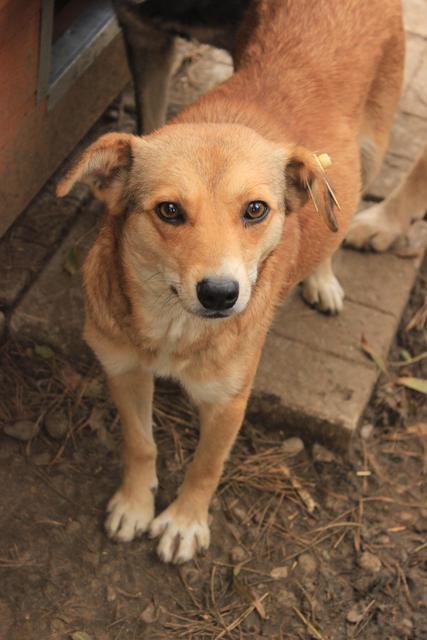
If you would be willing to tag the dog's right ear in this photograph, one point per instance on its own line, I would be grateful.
(104, 167)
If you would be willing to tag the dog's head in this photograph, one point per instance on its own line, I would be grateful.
(205, 205)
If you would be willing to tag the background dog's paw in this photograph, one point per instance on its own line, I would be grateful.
(373, 228)
(324, 293)
(181, 535)
(129, 517)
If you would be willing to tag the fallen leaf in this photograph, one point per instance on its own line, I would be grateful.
(80, 635)
(376, 357)
(416, 384)
(43, 351)
(73, 261)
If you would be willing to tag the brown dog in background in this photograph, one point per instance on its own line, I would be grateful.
(213, 218)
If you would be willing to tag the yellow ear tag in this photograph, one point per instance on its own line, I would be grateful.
(324, 160)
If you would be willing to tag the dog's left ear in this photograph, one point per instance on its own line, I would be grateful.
(104, 167)
(306, 178)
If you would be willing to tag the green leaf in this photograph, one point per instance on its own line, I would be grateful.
(405, 355)
(376, 357)
(417, 384)
(411, 360)
(73, 261)
(43, 351)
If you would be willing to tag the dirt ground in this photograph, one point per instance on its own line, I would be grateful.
(304, 544)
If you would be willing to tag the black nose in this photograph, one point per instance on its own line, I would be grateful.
(217, 295)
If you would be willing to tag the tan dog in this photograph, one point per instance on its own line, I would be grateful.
(212, 220)
(379, 226)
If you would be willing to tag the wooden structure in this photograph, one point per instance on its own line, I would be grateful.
(61, 63)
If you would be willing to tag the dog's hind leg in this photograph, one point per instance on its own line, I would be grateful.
(381, 105)
(151, 55)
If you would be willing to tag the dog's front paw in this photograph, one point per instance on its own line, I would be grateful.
(129, 516)
(373, 228)
(181, 534)
(323, 292)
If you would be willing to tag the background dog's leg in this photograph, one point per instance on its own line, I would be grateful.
(131, 509)
(183, 526)
(322, 289)
(151, 54)
(151, 71)
(380, 225)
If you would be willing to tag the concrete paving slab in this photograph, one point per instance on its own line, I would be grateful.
(337, 335)
(312, 393)
(52, 311)
(378, 281)
(31, 241)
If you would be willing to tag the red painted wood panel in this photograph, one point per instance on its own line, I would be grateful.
(35, 144)
(18, 64)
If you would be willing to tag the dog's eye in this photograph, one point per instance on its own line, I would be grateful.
(256, 211)
(170, 212)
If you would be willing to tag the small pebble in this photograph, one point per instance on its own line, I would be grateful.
(73, 527)
(407, 624)
(321, 454)
(150, 613)
(237, 554)
(42, 459)
(111, 593)
(383, 538)
(355, 614)
(279, 573)
(23, 430)
(406, 516)
(366, 431)
(286, 599)
(292, 446)
(307, 564)
(56, 424)
(370, 562)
